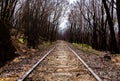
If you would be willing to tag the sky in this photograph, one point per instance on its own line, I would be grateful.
(64, 19)
(71, 1)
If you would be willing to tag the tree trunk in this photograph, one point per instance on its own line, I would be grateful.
(95, 41)
(113, 42)
(6, 48)
(103, 32)
(118, 17)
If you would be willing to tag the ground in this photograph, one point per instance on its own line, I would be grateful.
(61, 65)
(108, 70)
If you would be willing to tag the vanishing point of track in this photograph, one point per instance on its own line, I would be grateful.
(61, 63)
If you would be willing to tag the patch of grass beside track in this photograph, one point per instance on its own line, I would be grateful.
(86, 48)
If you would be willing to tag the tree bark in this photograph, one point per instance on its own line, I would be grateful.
(6, 48)
(118, 17)
(113, 42)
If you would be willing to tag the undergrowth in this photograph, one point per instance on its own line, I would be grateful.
(86, 48)
(46, 43)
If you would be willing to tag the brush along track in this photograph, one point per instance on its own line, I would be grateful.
(62, 64)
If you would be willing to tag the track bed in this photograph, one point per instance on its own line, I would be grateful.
(61, 65)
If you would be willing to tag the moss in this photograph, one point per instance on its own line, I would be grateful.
(21, 40)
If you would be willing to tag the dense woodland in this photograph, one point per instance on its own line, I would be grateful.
(96, 23)
(93, 22)
(33, 20)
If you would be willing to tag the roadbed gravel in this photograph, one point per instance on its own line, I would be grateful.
(15, 69)
(106, 69)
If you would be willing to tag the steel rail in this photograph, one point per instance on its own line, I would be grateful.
(90, 70)
(31, 70)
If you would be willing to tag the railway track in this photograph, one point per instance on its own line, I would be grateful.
(61, 63)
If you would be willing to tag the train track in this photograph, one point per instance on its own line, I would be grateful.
(61, 63)
(29, 71)
(90, 70)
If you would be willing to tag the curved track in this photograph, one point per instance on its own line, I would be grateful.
(60, 64)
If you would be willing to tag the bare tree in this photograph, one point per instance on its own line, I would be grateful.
(113, 42)
(40, 20)
(7, 8)
(95, 21)
(118, 17)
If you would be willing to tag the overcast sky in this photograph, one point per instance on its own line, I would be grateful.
(64, 21)
(71, 1)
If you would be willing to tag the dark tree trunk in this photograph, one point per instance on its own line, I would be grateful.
(103, 32)
(95, 42)
(118, 16)
(113, 42)
(6, 48)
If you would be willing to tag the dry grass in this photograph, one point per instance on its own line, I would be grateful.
(117, 58)
(8, 79)
(87, 48)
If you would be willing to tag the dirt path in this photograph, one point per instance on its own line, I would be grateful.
(61, 65)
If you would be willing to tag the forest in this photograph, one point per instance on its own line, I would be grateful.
(33, 20)
(96, 23)
(92, 22)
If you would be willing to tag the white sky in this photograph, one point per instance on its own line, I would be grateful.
(71, 1)
(64, 21)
